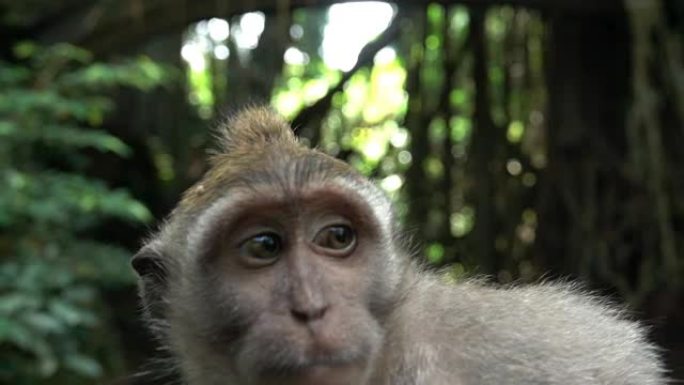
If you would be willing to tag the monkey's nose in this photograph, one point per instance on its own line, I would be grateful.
(309, 314)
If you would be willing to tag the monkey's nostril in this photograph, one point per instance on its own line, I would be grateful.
(308, 315)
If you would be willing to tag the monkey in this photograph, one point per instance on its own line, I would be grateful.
(283, 265)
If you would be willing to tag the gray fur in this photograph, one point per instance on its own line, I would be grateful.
(472, 334)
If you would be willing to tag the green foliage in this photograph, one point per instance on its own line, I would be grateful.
(50, 272)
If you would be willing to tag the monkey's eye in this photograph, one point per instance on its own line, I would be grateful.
(340, 238)
(262, 248)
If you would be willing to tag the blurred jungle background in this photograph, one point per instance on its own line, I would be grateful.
(521, 139)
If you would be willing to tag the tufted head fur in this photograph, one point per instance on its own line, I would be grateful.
(254, 127)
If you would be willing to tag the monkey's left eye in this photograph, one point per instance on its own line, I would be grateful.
(262, 248)
(340, 238)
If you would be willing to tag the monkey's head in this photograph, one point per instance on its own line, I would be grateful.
(277, 267)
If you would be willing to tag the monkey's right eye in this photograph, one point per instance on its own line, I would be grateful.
(262, 248)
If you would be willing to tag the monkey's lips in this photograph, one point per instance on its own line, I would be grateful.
(319, 361)
(335, 368)
(315, 356)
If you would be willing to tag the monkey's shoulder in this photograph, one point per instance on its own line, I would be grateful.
(543, 334)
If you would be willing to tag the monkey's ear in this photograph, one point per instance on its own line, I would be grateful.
(150, 265)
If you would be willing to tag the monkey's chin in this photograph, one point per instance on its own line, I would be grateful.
(349, 374)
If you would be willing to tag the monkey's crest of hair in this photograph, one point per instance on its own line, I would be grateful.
(254, 127)
(244, 141)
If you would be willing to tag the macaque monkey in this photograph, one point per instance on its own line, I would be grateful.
(283, 265)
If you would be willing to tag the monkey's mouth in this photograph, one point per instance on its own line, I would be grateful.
(312, 360)
(300, 354)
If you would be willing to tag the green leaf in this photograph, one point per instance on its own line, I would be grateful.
(66, 312)
(25, 49)
(7, 128)
(76, 137)
(44, 322)
(83, 365)
(13, 302)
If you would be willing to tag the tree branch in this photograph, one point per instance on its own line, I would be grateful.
(307, 114)
(106, 26)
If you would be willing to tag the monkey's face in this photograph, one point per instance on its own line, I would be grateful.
(288, 277)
